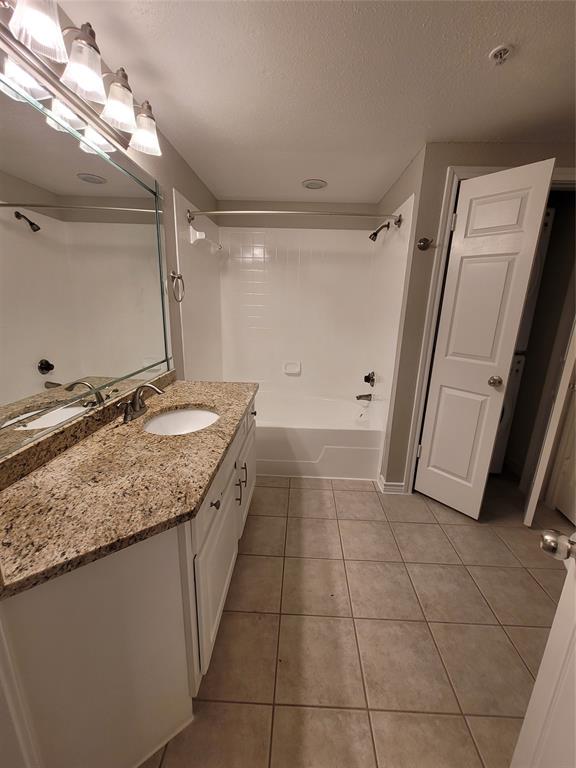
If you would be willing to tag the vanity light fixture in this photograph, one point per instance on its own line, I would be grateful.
(83, 73)
(64, 117)
(15, 75)
(35, 24)
(98, 140)
(119, 109)
(145, 138)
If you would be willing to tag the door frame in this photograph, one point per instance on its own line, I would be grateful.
(562, 179)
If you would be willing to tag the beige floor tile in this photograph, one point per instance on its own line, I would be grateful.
(358, 505)
(422, 543)
(353, 485)
(526, 546)
(318, 663)
(381, 591)
(487, 674)
(243, 661)
(546, 518)
(368, 540)
(404, 508)
(317, 483)
(479, 546)
(447, 515)
(256, 584)
(154, 760)
(448, 593)
(315, 587)
(309, 537)
(409, 740)
(514, 596)
(269, 501)
(551, 581)
(222, 736)
(306, 502)
(402, 668)
(263, 536)
(271, 481)
(321, 738)
(496, 739)
(530, 643)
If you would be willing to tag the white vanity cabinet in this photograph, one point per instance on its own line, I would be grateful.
(99, 666)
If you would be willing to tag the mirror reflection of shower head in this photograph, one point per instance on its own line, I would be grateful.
(32, 224)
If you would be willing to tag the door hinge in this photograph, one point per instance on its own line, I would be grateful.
(453, 222)
(419, 451)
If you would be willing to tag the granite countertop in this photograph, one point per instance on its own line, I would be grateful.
(118, 486)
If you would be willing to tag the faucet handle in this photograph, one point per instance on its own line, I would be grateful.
(370, 378)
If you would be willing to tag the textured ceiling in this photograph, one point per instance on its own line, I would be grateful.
(259, 95)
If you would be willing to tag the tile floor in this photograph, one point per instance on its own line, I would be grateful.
(371, 631)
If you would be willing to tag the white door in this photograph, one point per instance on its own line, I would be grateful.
(562, 493)
(548, 738)
(498, 221)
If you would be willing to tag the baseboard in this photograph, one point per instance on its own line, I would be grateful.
(389, 487)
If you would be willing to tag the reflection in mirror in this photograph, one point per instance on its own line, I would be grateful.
(81, 298)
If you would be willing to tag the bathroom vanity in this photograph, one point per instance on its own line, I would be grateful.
(115, 559)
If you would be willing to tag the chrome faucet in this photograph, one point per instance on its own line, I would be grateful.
(364, 397)
(91, 387)
(136, 406)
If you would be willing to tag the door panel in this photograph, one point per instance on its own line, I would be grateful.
(498, 222)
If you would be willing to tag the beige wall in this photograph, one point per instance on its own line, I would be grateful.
(425, 177)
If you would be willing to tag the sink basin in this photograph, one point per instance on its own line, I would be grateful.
(181, 421)
(51, 419)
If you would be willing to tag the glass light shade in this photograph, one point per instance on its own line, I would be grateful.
(119, 109)
(35, 24)
(96, 138)
(83, 73)
(145, 138)
(64, 114)
(13, 73)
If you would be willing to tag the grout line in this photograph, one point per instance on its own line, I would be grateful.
(442, 660)
(510, 640)
(277, 647)
(359, 655)
(163, 755)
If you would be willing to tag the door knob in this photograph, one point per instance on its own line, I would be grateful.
(495, 381)
(557, 545)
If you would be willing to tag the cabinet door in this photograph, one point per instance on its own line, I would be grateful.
(213, 567)
(246, 469)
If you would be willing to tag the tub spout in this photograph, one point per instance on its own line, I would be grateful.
(364, 397)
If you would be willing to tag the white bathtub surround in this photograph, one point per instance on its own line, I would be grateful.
(302, 435)
(307, 313)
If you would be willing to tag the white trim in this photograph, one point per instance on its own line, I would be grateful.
(389, 487)
(551, 430)
(562, 178)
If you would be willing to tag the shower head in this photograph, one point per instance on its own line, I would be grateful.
(32, 224)
(376, 232)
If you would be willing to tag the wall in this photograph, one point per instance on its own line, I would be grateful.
(200, 310)
(557, 286)
(329, 299)
(79, 294)
(425, 177)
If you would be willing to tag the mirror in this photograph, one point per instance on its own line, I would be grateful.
(81, 276)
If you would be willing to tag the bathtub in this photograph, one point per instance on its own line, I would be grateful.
(318, 437)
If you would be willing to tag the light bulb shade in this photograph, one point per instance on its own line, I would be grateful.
(83, 73)
(96, 138)
(14, 74)
(145, 139)
(64, 117)
(35, 24)
(119, 109)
